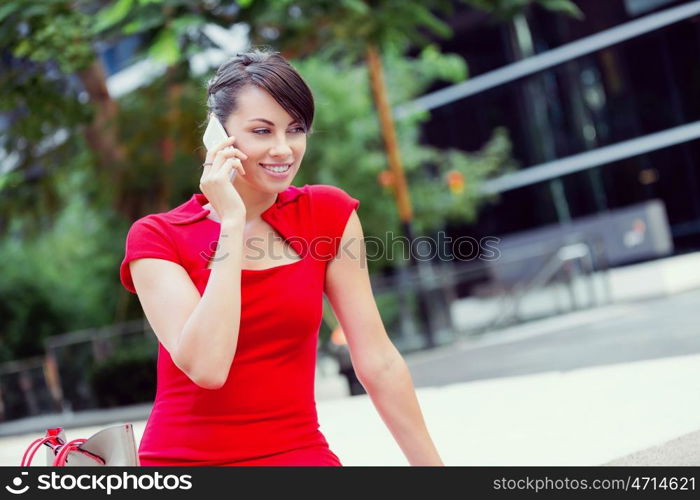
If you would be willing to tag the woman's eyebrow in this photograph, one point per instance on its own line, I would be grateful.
(268, 121)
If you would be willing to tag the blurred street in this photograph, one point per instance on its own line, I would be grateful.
(629, 332)
(613, 385)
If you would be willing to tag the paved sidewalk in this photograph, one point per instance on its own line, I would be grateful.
(639, 413)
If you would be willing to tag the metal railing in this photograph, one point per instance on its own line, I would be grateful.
(58, 381)
(578, 266)
(562, 266)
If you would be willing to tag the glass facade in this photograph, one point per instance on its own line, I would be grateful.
(642, 86)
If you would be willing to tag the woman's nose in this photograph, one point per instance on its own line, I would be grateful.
(281, 148)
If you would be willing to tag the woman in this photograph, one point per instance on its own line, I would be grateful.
(232, 283)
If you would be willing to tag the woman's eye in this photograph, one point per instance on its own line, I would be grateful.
(297, 130)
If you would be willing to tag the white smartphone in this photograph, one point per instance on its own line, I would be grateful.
(214, 135)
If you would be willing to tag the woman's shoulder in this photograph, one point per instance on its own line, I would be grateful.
(150, 236)
(331, 207)
(325, 191)
(185, 213)
(326, 196)
(320, 201)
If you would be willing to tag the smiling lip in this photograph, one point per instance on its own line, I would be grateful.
(278, 175)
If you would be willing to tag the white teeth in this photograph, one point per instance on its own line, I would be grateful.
(278, 170)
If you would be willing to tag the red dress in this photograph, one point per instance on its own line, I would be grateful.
(265, 413)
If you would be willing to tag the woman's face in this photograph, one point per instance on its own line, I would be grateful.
(270, 137)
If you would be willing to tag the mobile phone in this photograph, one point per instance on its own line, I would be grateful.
(214, 135)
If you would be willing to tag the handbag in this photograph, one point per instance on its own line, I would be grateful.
(112, 446)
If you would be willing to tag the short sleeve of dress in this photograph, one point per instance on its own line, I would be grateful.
(146, 238)
(331, 208)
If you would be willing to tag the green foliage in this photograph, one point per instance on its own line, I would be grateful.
(48, 41)
(564, 6)
(507, 9)
(61, 277)
(346, 27)
(346, 148)
(144, 140)
(165, 48)
(127, 377)
(47, 31)
(28, 313)
(113, 14)
(172, 26)
(42, 139)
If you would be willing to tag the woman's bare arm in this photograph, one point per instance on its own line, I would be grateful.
(200, 333)
(379, 366)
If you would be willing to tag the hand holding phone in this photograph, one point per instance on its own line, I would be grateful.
(214, 135)
(221, 154)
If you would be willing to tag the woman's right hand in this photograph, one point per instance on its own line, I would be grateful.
(216, 183)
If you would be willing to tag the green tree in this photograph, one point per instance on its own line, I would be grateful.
(54, 61)
(54, 91)
(62, 278)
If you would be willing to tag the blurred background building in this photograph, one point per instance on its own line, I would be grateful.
(604, 116)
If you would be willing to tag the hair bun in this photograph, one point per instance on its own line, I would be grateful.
(245, 59)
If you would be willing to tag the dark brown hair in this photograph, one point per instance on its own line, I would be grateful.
(267, 70)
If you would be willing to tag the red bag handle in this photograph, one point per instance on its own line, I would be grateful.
(62, 455)
(51, 439)
(60, 449)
